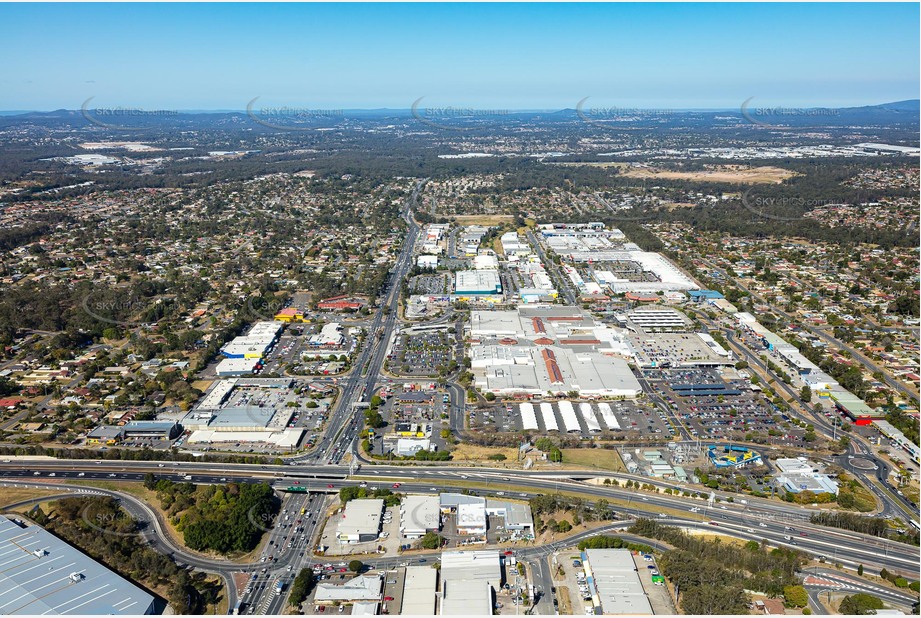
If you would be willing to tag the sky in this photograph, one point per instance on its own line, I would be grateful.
(479, 56)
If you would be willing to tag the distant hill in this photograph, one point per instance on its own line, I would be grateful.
(897, 113)
(910, 105)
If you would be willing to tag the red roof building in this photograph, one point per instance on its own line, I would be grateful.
(341, 303)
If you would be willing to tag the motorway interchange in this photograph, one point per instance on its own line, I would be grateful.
(778, 524)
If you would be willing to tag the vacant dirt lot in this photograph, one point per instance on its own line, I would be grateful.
(487, 220)
(734, 174)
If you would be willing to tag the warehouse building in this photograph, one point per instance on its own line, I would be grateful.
(418, 515)
(427, 261)
(249, 410)
(516, 516)
(469, 580)
(234, 367)
(361, 589)
(42, 574)
(471, 520)
(800, 474)
(535, 350)
(105, 434)
(477, 284)
(156, 430)
(668, 277)
(419, 591)
(361, 521)
(449, 502)
(614, 582)
(256, 343)
(329, 337)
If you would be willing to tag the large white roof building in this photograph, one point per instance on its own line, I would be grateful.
(468, 581)
(616, 583)
(418, 515)
(41, 574)
(361, 520)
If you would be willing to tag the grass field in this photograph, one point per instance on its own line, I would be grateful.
(911, 491)
(562, 593)
(595, 458)
(472, 452)
(11, 495)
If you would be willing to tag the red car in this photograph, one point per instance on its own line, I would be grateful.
(388, 598)
(802, 534)
(297, 482)
(330, 486)
(343, 570)
(395, 485)
(322, 608)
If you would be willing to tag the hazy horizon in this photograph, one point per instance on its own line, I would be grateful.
(545, 57)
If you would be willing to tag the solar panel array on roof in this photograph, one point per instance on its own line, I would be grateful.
(553, 369)
(41, 574)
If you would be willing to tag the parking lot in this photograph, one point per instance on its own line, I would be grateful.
(430, 284)
(284, 353)
(423, 406)
(388, 542)
(738, 413)
(672, 349)
(571, 576)
(613, 419)
(421, 354)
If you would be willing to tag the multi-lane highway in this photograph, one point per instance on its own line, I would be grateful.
(345, 421)
(759, 519)
(345, 424)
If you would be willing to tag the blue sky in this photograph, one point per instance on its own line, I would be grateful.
(485, 56)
